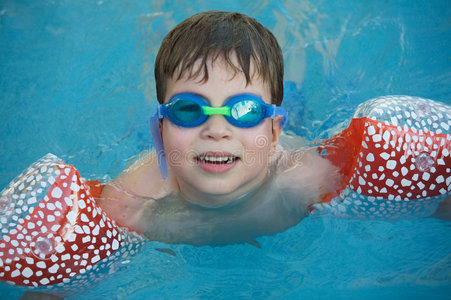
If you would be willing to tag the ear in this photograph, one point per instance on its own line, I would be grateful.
(160, 126)
(276, 131)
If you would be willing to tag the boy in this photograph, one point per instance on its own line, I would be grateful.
(228, 179)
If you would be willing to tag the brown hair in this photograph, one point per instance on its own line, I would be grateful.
(214, 34)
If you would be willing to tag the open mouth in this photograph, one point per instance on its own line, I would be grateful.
(213, 162)
(216, 159)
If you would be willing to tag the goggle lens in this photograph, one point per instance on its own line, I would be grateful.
(247, 111)
(186, 111)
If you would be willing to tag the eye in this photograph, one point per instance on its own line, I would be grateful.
(186, 110)
(246, 111)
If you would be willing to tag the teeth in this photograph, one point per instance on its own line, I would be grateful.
(222, 159)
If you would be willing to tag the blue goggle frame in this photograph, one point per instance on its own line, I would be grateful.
(242, 110)
(190, 110)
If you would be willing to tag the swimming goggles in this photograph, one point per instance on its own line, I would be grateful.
(242, 110)
(190, 110)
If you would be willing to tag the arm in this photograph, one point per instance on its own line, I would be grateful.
(307, 172)
(444, 210)
(130, 198)
(394, 157)
(29, 295)
(57, 222)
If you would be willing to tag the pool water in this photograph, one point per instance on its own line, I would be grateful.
(76, 79)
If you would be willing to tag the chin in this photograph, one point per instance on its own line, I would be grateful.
(211, 194)
(219, 190)
(231, 190)
(211, 190)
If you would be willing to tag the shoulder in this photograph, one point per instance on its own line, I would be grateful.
(134, 191)
(142, 179)
(306, 171)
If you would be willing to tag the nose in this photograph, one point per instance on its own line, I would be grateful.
(216, 128)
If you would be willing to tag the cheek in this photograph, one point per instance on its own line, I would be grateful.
(176, 143)
(262, 138)
(258, 143)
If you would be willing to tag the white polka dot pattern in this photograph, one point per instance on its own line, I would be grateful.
(52, 232)
(402, 166)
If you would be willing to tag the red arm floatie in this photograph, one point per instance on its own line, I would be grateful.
(394, 157)
(53, 235)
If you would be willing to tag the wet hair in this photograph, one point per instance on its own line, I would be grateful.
(217, 34)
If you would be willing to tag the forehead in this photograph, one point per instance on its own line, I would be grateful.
(218, 76)
(224, 64)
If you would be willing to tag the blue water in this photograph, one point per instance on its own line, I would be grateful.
(76, 79)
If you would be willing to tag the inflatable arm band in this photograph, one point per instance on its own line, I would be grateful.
(394, 158)
(52, 233)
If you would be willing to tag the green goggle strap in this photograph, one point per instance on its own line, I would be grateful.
(208, 110)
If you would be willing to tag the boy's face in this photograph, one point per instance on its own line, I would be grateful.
(193, 154)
